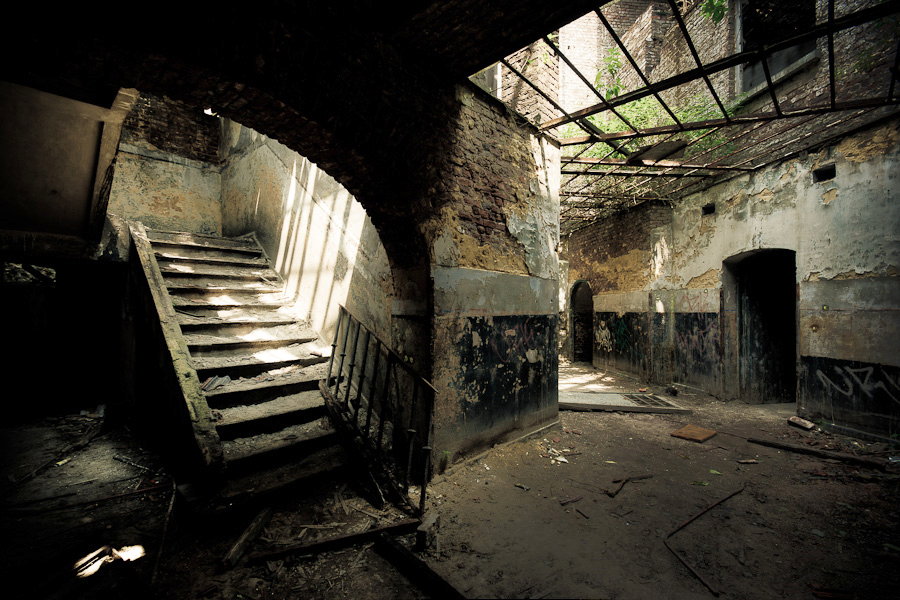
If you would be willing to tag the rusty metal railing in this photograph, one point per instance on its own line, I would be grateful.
(383, 406)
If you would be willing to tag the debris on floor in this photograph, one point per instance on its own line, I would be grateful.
(693, 433)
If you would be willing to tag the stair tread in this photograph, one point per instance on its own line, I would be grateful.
(195, 240)
(290, 333)
(275, 319)
(243, 448)
(268, 480)
(314, 372)
(283, 354)
(267, 301)
(169, 269)
(213, 260)
(212, 284)
(282, 405)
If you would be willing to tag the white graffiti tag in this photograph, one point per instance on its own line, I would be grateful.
(860, 380)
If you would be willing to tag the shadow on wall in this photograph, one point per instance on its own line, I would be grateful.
(317, 236)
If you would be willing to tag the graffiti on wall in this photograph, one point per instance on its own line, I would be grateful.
(857, 381)
(697, 346)
(622, 339)
(855, 393)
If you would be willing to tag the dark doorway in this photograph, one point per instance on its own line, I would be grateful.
(766, 300)
(582, 322)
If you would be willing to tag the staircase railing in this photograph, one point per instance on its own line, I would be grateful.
(384, 405)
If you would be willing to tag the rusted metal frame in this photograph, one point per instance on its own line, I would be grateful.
(352, 363)
(411, 438)
(634, 65)
(748, 131)
(616, 170)
(340, 371)
(362, 375)
(839, 24)
(690, 44)
(612, 162)
(599, 196)
(570, 180)
(769, 152)
(334, 344)
(832, 83)
(691, 143)
(743, 119)
(628, 173)
(770, 85)
(586, 125)
(581, 76)
(370, 403)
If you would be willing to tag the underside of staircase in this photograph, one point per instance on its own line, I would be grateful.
(251, 367)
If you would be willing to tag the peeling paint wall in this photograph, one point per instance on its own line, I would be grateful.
(843, 233)
(317, 236)
(167, 168)
(494, 268)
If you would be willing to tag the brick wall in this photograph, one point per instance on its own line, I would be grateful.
(174, 127)
(538, 63)
(614, 254)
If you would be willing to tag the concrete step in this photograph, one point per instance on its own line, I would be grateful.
(270, 416)
(188, 300)
(172, 269)
(207, 257)
(257, 326)
(258, 362)
(159, 239)
(258, 485)
(178, 284)
(246, 453)
(257, 338)
(267, 386)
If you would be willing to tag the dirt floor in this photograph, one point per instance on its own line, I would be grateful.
(544, 517)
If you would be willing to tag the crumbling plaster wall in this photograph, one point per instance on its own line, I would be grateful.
(167, 172)
(843, 231)
(317, 236)
(494, 269)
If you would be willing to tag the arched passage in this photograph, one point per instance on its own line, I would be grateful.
(761, 291)
(582, 318)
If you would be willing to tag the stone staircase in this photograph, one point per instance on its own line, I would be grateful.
(258, 365)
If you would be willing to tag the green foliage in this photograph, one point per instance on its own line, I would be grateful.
(714, 10)
(607, 81)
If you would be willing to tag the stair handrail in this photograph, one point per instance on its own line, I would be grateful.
(419, 421)
(202, 423)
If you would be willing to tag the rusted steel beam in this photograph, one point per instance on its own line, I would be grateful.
(693, 51)
(770, 85)
(737, 120)
(839, 24)
(634, 65)
(652, 163)
(626, 173)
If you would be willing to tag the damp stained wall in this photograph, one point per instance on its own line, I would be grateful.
(316, 235)
(494, 268)
(167, 171)
(683, 310)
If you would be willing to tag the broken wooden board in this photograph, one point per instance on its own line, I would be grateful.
(616, 401)
(693, 433)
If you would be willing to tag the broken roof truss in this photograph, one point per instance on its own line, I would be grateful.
(651, 144)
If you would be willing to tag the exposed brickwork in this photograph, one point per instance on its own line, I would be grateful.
(174, 127)
(538, 63)
(613, 254)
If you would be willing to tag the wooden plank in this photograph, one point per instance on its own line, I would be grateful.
(246, 538)
(414, 568)
(693, 433)
(874, 463)
(336, 542)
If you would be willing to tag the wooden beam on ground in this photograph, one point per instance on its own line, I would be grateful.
(415, 569)
(863, 461)
(251, 533)
(336, 542)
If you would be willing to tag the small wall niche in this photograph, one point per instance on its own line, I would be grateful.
(708, 209)
(824, 173)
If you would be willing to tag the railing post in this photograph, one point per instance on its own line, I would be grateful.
(362, 376)
(372, 386)
(385, 396)
(352, 363)
(337, 333)
(337, 380)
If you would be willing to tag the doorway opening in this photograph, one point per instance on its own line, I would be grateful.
(764, 296)
(582, 310)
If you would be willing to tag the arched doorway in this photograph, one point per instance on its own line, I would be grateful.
(762, 290)
(582, 315)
